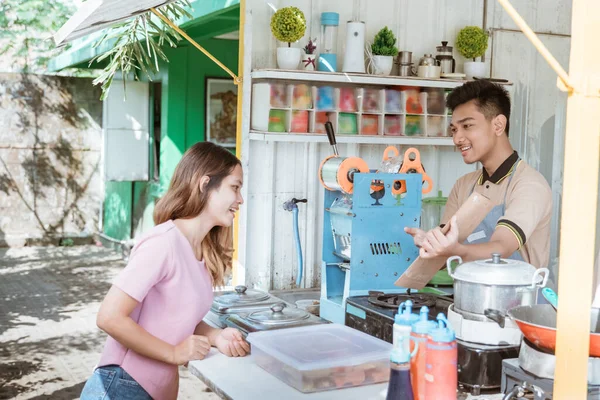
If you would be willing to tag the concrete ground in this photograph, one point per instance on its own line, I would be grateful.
(49, 342)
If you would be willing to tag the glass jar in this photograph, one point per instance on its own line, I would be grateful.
(445, 58)
(433, 211)
(329, 39)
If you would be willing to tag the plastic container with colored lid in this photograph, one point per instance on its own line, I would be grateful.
(321, 357)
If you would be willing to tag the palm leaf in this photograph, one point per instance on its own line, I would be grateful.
(128, 54)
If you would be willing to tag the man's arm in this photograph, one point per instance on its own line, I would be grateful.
(452, 205)
(528, 204)
(502, 242)
(436, 244)
(450, 209)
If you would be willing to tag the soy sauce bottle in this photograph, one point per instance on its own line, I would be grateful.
(399, 387)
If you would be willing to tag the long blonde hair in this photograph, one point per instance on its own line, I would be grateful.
(184, 199)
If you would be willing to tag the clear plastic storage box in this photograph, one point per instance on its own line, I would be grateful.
(322, 357)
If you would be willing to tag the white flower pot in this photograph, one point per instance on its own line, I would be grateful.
(382, 65)
(309, 61)
(475, 68)
(288, 57)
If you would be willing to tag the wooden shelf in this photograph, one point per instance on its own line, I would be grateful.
(358, 79)
(360, 139)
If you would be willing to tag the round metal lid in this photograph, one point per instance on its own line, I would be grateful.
(444, 48)
(278, 315)
(242, 296)
(496, 271)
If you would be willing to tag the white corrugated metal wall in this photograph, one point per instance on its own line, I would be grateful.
(278, 171)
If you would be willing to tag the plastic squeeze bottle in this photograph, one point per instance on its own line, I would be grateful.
(419, 334)
(402, 325)
(399, 387)
(441, 373)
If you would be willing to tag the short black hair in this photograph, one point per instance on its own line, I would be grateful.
(491, 99)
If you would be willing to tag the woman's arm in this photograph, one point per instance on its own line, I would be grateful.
(114, 319)
(206, 330)
(229, 341)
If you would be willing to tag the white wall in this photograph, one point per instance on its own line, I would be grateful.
(279, 171)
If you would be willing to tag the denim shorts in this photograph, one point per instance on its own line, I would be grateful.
(111, 382)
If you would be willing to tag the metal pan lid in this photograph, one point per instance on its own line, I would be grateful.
(277, 315)
(499, 271)
(242, 296)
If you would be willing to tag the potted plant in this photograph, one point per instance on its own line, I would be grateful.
(309, 60)
(383, 51)
(288, 25)
(472, 42)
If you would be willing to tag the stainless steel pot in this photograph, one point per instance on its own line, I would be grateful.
(428, 60)
(277, 317)
(496, 283)
(242, 300)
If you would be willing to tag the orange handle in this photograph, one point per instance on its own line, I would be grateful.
(393, 149)
(429, 181)
(416, 165)
(408, 164)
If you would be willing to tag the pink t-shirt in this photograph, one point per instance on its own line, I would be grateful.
(175, 293)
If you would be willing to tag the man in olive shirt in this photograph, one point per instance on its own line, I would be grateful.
(518, 227)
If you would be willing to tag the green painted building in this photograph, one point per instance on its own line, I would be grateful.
(176, 108)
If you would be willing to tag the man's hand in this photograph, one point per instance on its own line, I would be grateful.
(231, 343)
(417, 234)
(436, 244)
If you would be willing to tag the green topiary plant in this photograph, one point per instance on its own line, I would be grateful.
(384, 43)
(288, 24)
(472, 42)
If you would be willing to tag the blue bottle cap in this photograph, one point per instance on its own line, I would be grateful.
(442, 333)
(330, 18)
(405, 315)
(424, 325)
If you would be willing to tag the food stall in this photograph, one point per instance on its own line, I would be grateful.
(314, 143)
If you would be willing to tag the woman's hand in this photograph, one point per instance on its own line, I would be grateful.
(231, 343)
(195, 347)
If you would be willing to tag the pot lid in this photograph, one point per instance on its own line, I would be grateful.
(444, 48)
(278, 315)
(496, 271)
(242, 296)
(426, 60)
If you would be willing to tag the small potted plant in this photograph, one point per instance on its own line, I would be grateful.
(472, 42)
(309, 60)
(288, 25)
(383, 49)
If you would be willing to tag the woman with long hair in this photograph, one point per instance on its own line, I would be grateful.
(153, 312)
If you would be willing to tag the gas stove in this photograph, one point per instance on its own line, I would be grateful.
(533, 372)
(517, 381)
(480, 366)
(374, 314)
(394, 300)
